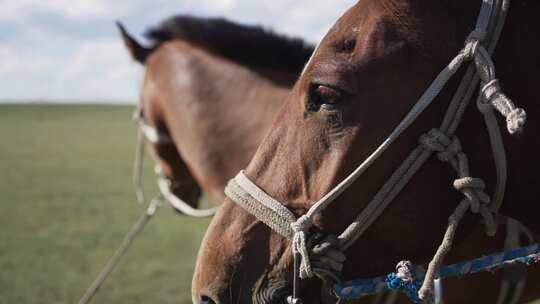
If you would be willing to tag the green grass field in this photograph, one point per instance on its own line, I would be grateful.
(66, 203)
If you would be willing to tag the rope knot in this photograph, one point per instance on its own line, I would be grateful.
(493, 96)
(299, 245)
(515, 121)
(404, 280)
(404, 271)
(303, 224)
(473, 190)
(437, 141)
(320, 255)
(451, 151)
(473, 41)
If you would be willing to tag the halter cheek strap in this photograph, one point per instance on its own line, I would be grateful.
(441, 141)
(148, 133)
(151, 133)
(154, 136)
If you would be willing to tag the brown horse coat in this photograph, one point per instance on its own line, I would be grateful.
(366, 74)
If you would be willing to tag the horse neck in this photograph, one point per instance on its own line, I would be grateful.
(219, 115)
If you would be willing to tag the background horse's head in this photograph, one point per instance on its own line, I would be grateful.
(190, 70)
(367, 73)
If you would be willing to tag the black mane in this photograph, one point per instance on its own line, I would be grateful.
(249, 45)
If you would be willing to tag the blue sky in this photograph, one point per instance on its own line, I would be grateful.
(69, 50)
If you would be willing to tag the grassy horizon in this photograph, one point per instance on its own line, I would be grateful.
(67, 202)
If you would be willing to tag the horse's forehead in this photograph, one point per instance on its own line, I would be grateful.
(362, 21)
(369, 24)
(360, 13)
(352, 19)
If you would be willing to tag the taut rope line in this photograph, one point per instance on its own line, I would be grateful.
(145, 131)
(442, 141)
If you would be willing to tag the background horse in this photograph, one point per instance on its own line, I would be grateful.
(213, 87)
(366, 74)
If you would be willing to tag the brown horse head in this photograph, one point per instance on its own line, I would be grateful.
(366, 74)
(169, 161)
(190, 69)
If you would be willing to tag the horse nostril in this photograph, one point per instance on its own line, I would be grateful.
(207, 300)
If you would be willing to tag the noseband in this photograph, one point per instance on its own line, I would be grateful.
(481, 73)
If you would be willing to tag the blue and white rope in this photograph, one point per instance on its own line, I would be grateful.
(362, 287)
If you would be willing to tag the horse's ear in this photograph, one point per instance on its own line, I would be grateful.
(136, 50)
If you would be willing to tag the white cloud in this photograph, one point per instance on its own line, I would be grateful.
(225, 4)
(70, 50)
(75, 8)
(105, 66)
(16, 9)
(92, 71)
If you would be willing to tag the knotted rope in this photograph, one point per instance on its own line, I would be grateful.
(449, 150)
(492, 96)
(299, 245)
(324, 252)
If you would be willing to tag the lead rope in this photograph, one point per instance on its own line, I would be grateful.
(144, 132)
(138, 168)
(138, 162)
(294, 299)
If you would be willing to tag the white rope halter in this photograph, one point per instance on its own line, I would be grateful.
(478, 48)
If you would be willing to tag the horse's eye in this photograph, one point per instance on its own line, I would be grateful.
(327, 94)
(323, 96)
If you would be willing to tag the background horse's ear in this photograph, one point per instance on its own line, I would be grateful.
(136, 50)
